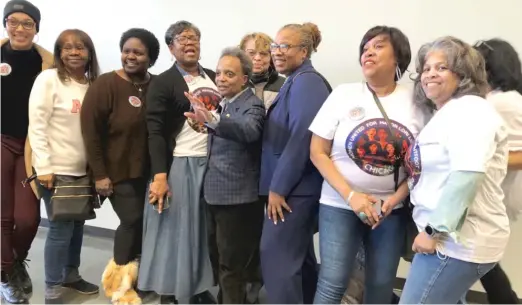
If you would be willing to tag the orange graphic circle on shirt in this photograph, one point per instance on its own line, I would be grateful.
(210, 98)
(371, 148)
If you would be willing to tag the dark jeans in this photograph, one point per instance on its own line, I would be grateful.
(20, 214)
(128, 200)
(341, 233)
(498, 287)
(63, 248)
(234, 235)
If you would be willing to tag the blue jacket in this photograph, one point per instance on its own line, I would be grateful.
(234, 147)
(286, 168)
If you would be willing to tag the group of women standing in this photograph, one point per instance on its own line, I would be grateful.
(352, 158)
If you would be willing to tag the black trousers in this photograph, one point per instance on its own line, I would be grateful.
(498, 287)
(128, 200)
(234, 237)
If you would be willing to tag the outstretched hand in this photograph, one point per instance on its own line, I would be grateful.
(201, 113)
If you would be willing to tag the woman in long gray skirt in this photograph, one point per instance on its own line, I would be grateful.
(175, 259)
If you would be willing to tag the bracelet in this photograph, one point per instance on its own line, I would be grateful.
(350, 196)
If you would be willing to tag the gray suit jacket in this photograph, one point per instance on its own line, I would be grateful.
(234, 153)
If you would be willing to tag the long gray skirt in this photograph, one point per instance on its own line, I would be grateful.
(175, 257)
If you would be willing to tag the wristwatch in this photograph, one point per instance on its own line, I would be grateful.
(431, 231)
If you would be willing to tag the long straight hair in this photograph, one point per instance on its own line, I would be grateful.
(92, 68)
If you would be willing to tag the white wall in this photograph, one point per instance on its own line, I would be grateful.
(342, 22)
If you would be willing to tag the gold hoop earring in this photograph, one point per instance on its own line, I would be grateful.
(37, 38)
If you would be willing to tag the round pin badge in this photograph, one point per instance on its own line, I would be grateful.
(134, 101)
(357, 113)
(5, 69)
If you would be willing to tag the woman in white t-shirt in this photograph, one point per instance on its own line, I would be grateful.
(58, 149)
(503, 68)
(456, 168)
(351, 145)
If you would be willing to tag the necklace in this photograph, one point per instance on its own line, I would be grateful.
(138, 87)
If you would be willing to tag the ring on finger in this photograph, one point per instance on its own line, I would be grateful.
(363, 216)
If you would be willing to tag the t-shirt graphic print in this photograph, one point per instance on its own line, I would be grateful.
(362, 146)
(210, 98)
(192, 139)
(371, 148)
(413, 165)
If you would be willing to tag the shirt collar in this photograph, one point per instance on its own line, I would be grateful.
(225, 101)
(185, 73)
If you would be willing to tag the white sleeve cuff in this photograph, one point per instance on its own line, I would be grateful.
(215, 120)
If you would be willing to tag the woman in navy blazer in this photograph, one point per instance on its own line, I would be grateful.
(288, 177)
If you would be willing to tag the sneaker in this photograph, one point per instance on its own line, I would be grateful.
(21, 276)
(82, 286)
(53, 294)
(12, 293)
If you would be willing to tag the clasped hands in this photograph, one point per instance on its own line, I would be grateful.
(363, 206)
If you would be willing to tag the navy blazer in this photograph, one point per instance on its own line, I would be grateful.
(286, 168)
(234, 150)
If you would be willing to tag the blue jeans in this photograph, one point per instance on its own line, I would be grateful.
(340, 236)
(62, 248)
(440, 280)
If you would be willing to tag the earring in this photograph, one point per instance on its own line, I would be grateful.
(398, 73)
(37, 38)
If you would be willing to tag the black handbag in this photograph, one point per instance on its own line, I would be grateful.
(411, 228)
(73, 198)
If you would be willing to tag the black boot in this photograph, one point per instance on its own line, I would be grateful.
(11, 291)
(22, 276)
(203, 298)
(168, 299)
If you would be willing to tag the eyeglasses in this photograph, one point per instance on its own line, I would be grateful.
(253, 53)
(183, 40)
(14, 23)
(283, 48)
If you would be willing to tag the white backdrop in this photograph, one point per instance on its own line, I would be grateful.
(342, 23)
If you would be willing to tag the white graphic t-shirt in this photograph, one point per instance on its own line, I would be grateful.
(361, 148)
(465, 135)
(192, 139)
(509, 106)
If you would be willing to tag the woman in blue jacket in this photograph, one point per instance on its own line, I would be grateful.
(288, 177)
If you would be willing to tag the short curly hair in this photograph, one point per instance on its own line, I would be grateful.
(147, 38)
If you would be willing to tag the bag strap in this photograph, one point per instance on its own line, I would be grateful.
(396, 165)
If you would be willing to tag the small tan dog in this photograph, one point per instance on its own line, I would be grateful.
(118, 282)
